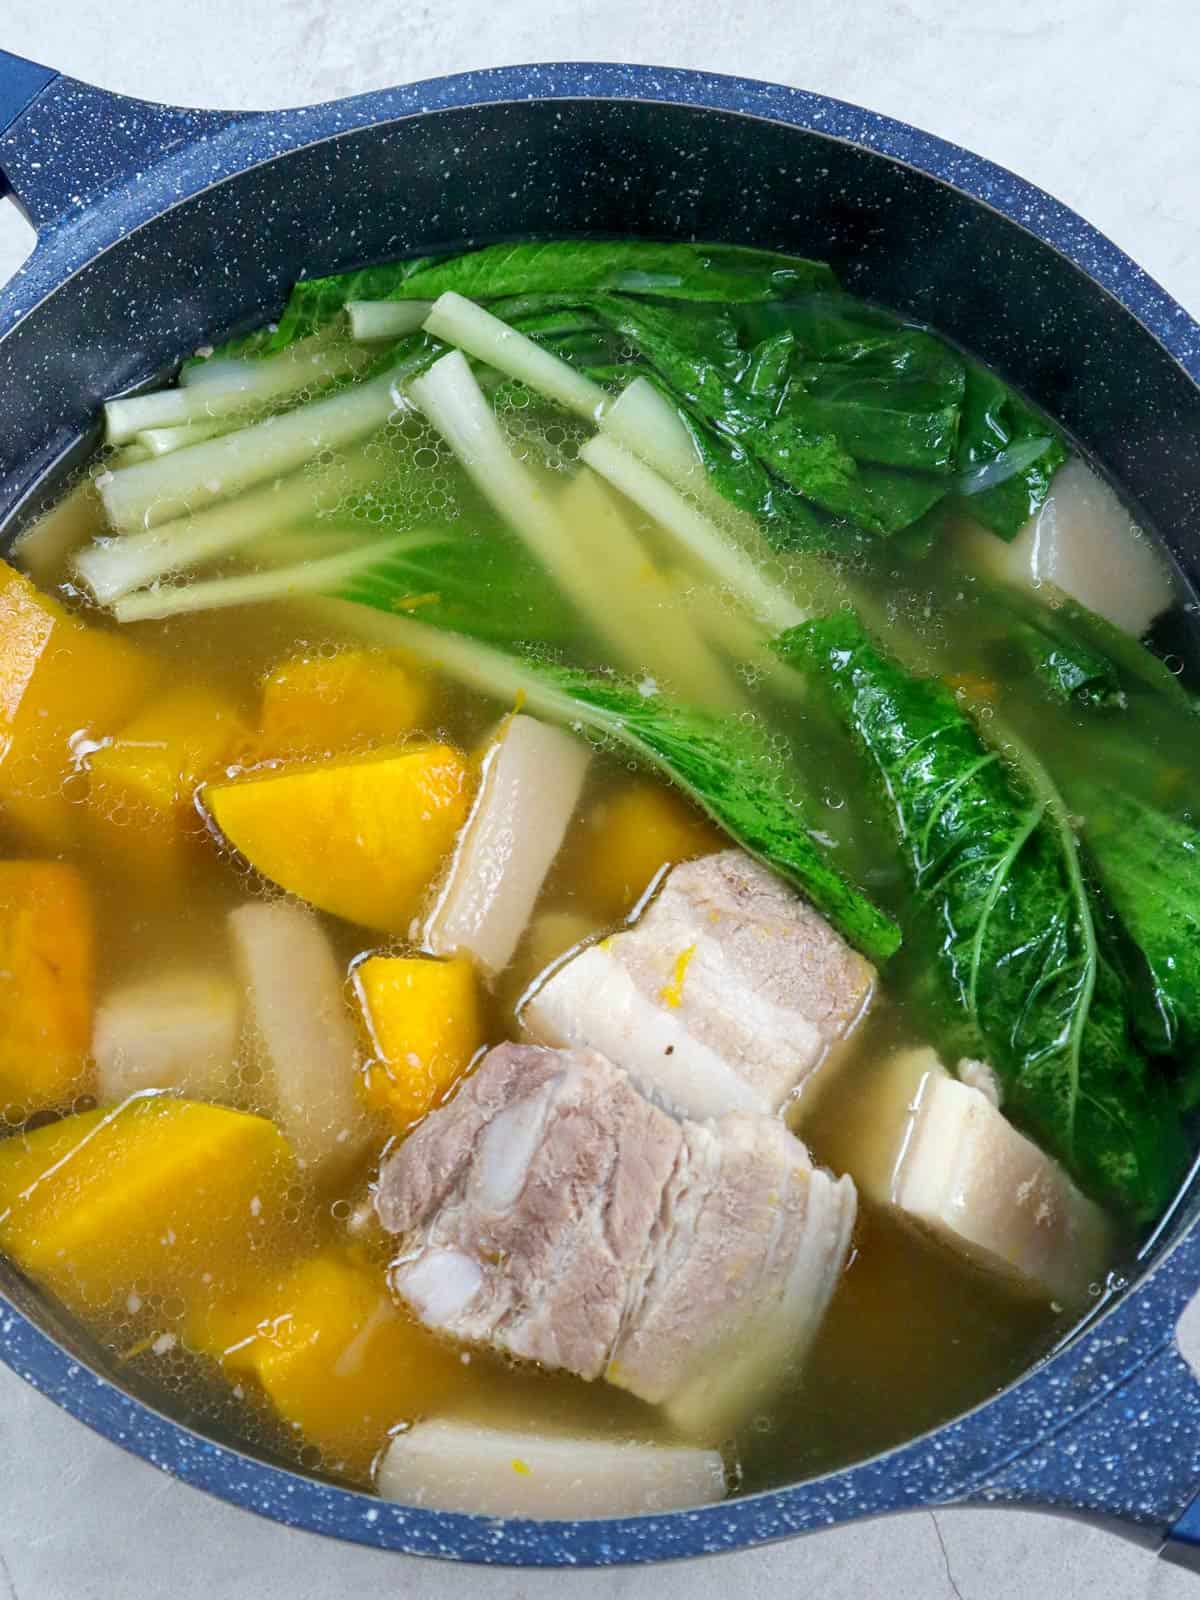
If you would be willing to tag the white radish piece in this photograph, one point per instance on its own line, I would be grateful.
(43, 547)
(153, 492)
(528, 791)
(666, 644)
(940, 1153)
(708, 547)
(298, 1013)
(454, 1465)
(176, 1031)
(372, 320)
(1084, 543)
(461, 322)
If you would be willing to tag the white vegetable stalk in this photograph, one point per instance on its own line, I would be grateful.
(453, 401)
(640, 599)
(461, 322)
(707, 545)
(232, 388)
(114, 567)
(213, 594)
(154, 492)
(725, 625)
(643, 420)
(372, 320)
(162, 441)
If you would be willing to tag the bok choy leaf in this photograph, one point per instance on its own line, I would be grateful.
(1001, 903)
(730, 769)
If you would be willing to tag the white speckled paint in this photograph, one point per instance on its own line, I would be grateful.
(1089, 104)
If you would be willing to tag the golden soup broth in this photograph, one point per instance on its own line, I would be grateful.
(913, 1335)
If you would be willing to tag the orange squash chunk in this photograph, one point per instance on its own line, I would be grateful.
(316, 705)
(61, 683)
(142, 784)
(337, 1359)
(362, 837)
(424, 1024)
(46, 984)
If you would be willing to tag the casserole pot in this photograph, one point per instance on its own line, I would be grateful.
(161, 228)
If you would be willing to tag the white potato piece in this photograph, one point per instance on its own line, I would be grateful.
(176, 1031)
(939, 1152)
(532, 779)
(1084, 542)
(454, 1465)
(297, 1009)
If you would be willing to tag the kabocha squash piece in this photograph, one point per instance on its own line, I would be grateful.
(300, 1020)
(141, 810)
(361, 837)
(315, 705)
(157, 1192)
(60, 682)
(46, 981)
(628, 837)
(424, 1024)
(338, 1360)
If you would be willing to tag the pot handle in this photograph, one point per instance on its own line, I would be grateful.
(21, 82)
(63, 142)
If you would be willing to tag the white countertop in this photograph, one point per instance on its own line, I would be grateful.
(1096, 100)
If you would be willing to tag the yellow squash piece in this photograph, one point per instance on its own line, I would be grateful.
(362, 837)
(46, 983)
(423, 1020)
(336, 1358)
(317, 705)
(171, 1197)
(630, 836)
(142, 784)
(61, 683)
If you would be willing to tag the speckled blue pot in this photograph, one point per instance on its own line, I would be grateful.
(159, 228)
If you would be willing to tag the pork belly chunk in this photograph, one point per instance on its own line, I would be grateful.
(941, 1154)
(726, 995)
(553, 1213)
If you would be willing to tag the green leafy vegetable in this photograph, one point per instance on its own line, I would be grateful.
(672, 271)
(700, 360)
(1066, 669)
(486, 585)
(1001, 903)
(995, 420)
(729, 769)
(1149, 866)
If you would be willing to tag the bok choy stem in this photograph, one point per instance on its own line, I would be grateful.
(462, 323)
(372, 320)
(154, 492)
(703, 541)
(232, 388)
(451, 398)
(114, 567)
(211, 594)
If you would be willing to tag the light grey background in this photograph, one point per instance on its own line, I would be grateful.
(1097, 101)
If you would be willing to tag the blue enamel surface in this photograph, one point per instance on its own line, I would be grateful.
(1110, 1425)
